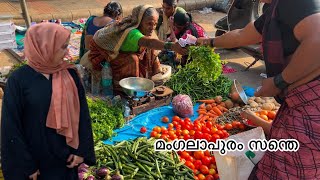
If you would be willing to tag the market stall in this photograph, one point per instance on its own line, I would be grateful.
(198, 102)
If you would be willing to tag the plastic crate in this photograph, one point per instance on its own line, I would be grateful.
(5, 36)
(9, 44)
(7, 27)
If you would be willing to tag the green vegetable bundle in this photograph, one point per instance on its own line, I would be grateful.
(138, 160)
(201, 78)
(207, 61)
(105, 118)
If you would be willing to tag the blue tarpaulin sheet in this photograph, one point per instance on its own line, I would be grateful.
(150, 119)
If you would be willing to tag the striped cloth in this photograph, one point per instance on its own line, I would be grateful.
(298, 118)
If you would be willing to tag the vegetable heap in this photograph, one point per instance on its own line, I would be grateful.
(138, 160)
(105, 118)
(201, 78)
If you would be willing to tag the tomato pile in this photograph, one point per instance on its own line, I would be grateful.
(202, 163)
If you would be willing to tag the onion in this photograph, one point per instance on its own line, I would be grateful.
(91, 177)
(117, 176)
(102, 172)
(182, 105)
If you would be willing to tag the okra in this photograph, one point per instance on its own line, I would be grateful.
(142, 168)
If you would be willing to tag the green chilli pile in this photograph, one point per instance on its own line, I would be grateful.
(201, 78)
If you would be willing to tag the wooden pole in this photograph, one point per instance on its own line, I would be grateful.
(25, 12)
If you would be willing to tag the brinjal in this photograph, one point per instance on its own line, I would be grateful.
(82, 175)
(91, 177)
(117, 176)
(102, 172)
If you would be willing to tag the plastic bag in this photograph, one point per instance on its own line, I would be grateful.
(182, 105)
(238, 165)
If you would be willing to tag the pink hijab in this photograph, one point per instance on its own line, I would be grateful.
(41, 43)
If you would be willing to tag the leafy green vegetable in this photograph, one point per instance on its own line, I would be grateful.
(205, 59)
(201, 78)
(105, 118)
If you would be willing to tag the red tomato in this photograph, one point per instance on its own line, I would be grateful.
(216, 176)
(209, 124)
(228, 126)
(165, 119)
(187, 119)
(212, 171)
(175, 123)
(204, 169)
(235, 124)
(171, 125)
(215, 137)
(213, 166)
(207, 153)
(175, 118)
(143, 130)
(198, 135)
(164, 137)
(185, 132)
(188, 127)
(205, 129)
(195, 171)
(186, 137)
(171, 133)
(190, 158)
(220, 133)
(157, 129)
(197, 163)
(189, 164)
(201, 177)
(185, 154)
(213, 160)
(198, 155)
(178, 132)
(242, 126)
(209, 177)
(153, 134)
(181, 122)
(214, 130)
(192, 132)
(195, 177)
(164, 131)
(207, 136)
(206, 160)
(220, 127)
(158, 136)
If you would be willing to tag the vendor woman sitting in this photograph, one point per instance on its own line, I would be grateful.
(112, 12)
(129, 46)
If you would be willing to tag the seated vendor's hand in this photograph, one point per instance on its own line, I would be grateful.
(178, 49)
